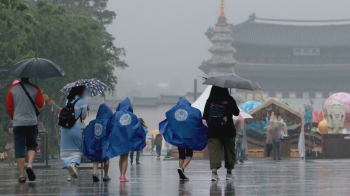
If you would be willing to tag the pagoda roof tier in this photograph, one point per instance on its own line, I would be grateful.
(297, 77)
(291, 33)
(209, 67)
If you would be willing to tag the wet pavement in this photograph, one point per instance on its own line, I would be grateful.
(156, 177)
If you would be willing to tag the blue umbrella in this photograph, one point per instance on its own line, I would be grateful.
(94, 86)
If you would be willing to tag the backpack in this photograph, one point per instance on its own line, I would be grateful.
(216, 114)
(67, 116)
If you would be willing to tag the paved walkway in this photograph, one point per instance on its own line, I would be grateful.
(155, 177)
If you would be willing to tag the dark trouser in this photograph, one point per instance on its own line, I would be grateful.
(215, 147)
(158, 150)
(184, 153)
(240, 150)
(25, 136)
(137, 156)
(276, 150)
(269, 148)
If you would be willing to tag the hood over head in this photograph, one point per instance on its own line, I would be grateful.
(104, 112)
(125, 105)
(183, 101)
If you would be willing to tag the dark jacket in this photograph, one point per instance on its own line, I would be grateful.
(225, 131)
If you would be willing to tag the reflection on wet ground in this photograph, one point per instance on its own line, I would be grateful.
(155, 177)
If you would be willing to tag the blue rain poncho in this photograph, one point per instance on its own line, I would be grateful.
(95, 132)
(184, 127)
(125, 132)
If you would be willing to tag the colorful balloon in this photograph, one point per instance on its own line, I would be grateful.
(323, 127)
(341, 98)
(52, 103)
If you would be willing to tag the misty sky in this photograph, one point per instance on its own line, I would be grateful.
(165, 41)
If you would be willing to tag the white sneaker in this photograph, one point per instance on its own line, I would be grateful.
(69, 178)
(73, 171)
(230, 176)
(215, 177)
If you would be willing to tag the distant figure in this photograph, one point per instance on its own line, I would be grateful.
(240, 141)
(10, 148)
(277, 137)
(269, 139)
(71, 138)
(158, 142)
(218, 113)
(153, 144)
(22, 101)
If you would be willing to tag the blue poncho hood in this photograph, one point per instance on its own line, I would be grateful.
(125, 105)
(126, 132)
(183, 127)
(95, 132)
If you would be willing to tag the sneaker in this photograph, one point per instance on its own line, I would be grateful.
(69, 178)
(131, 162)
(241, 161)
(106, 179)
(95, 178)
(73, 171)
(215, 177)
(182, 174)
(30, 173)
(229, 176)
(138, 163)
(123, 179)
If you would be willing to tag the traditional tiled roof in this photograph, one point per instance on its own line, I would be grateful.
(270, 32)
(145, 101)
(169, 99)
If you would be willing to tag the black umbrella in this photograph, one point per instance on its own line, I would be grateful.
(232, 81)
(36, 68)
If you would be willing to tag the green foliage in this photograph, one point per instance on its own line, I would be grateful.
(74, 38)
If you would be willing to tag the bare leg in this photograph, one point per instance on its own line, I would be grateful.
(31, 155)
(95, 167)
(106, 168)
(120, 164)
(124, 164)
(181, 163)
(20, 163)
(186, 162)
(214, 170)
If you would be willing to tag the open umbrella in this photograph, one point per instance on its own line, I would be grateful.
(95, 86)
(232, 81)
(153, 132)
(36, 68)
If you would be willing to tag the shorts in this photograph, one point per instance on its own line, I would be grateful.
(185, 152)
(219, 147)
(24, 136)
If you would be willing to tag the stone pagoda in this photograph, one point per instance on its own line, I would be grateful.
(221, 61)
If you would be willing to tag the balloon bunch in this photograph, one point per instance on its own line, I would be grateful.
(54, 107)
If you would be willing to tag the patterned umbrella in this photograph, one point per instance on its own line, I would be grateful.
(95, 86)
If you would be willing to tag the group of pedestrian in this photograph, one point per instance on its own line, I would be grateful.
(274, 136)
(121, 133)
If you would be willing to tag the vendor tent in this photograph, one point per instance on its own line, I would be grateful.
(286, 112)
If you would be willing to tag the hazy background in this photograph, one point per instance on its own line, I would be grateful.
(165, 41)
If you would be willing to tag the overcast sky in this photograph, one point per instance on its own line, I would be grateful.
(165, 41)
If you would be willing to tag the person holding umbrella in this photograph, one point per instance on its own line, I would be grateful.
(71, 138)
(22, 101)
(218, 112)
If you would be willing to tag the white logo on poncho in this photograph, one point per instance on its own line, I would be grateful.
(125, 119)
(98, 129)
(181, 115)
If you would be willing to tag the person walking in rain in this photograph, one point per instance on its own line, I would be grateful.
(94, 133)
(240, 141)
(22, 101)
(218, 112)
(138, 153)
(125, 134)
(71, 138)
(158, 142)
